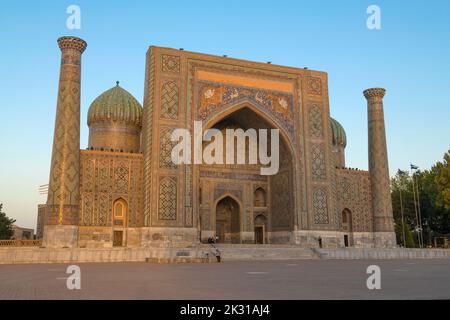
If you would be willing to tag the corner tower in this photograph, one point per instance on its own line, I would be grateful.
(63, 192)
(384, 235)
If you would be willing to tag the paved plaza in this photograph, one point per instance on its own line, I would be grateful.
(292, 279)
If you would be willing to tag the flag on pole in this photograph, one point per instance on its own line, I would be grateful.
(413, 167)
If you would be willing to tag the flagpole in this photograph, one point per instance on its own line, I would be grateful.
(420, 215)
(403, 218)
(415, 206)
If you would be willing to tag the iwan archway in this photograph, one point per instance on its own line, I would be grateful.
(241, 180)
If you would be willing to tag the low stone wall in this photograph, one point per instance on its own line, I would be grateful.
(203, 253)
(265, 252)
(79, 255)
(382, 254)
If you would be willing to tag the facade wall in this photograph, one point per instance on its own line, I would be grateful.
(177, 204)
(182, 87)
(105, 178)
(354, 195)
(216, 185)
(40, 221)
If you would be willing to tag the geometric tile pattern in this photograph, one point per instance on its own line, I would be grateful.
(103, 209)
(318, 162)
(353, 193)
(170, 63)
(88, 209)
(320, 206)
(281, 200)
(315, 121)
(104, 178)
(167, 199)
(166, 147)
(169, 100)
(147, 137)
(121, 177)
(314, 86)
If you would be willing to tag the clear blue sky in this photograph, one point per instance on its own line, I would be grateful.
(409, 56)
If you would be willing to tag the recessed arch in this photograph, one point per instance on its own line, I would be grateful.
(119, 221)
(228, 219)
(222, 114)
(347, 220)
(347, 227)
(260, 197)
(120, 208)
(280, 188)
(260, 227)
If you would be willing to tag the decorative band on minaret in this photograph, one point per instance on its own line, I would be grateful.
(384, 235)
(63, 192)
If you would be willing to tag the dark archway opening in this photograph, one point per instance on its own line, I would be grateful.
(276, 199)
(228, 222)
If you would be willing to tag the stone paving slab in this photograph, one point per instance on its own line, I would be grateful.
(298, 279)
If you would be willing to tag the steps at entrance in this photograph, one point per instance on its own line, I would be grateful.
(237, 252)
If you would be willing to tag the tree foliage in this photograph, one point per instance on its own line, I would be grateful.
(409, 239)
(434, 198)
(6, 230)
(442, 180)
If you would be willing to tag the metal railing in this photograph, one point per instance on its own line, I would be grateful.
(20, 243)
(442, 242)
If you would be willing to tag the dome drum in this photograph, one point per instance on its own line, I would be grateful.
(118, 136)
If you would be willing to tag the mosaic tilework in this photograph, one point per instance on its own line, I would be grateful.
(320, 206)
(167, 199)
(170, 63)
(169, 100)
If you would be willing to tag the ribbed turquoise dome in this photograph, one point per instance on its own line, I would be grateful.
(338, 133)
(115, 104)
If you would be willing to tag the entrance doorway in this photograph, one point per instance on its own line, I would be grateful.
(260, 229)
(118, 238)
(228, 224)
(120, 213)
(347, 227)
(259, 235)
(346, 243)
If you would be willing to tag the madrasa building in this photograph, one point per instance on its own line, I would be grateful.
(124, 190)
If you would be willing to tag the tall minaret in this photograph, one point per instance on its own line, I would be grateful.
(62, 208)
(384, 235)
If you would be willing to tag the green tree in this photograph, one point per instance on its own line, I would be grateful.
(434, 192)
(402, 194)
(442, 179)
(434, 186)
(6, 223)
(409, 237)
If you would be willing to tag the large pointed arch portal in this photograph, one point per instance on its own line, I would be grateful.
(241, 180)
